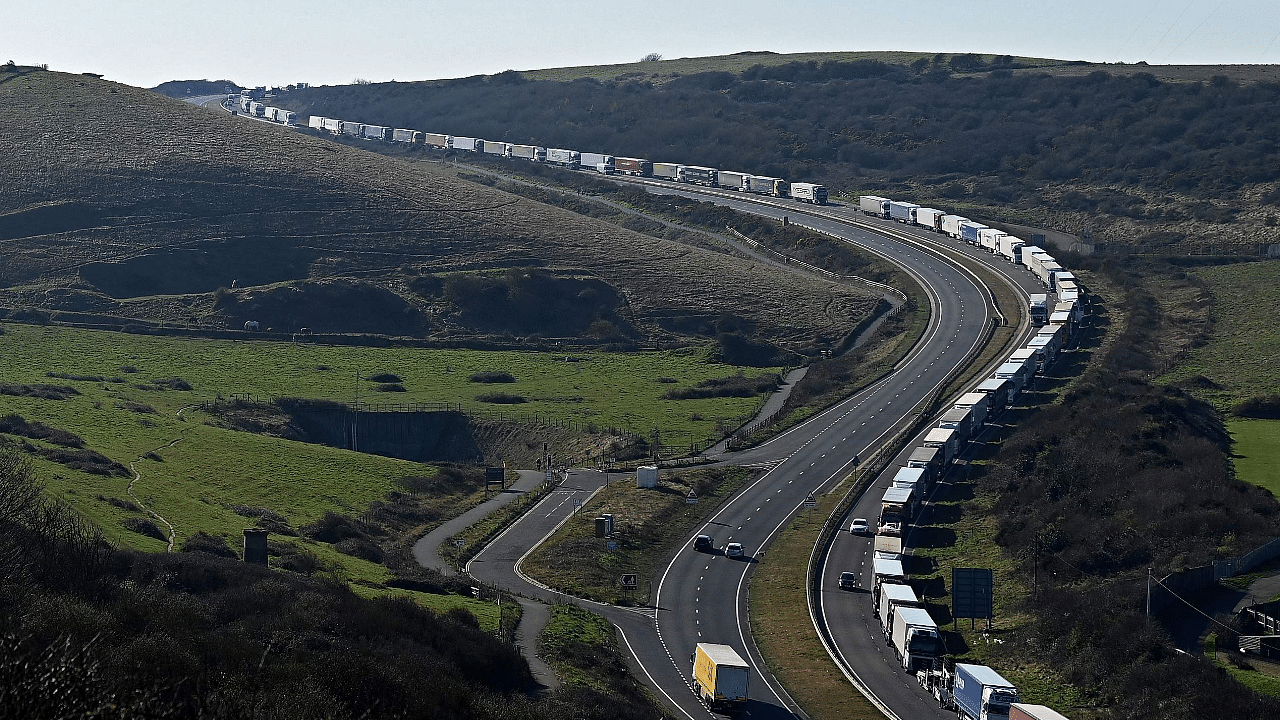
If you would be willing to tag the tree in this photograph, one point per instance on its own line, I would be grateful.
(651, 57)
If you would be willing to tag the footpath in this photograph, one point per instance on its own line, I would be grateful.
(534, 615)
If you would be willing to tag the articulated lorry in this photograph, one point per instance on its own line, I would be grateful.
(720, 677)
(633, 166)
(1038, 308)
(1022, 711)
(874, 205)
(979, 693)
(916, 639)
(809, 192)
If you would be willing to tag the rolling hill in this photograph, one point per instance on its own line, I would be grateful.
(120, 207)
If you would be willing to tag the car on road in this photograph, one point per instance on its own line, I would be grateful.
(703, 543)
(859, 526)
(848, 581)
(733, 549)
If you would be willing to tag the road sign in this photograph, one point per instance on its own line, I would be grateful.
(611, 545)
(971, 592)
(629, 580)
(810, 502)
(692, 498)
(577, 502)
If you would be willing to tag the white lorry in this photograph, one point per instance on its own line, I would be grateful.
(874, 205)
(809, 192)
(567, 158)
(916, 639)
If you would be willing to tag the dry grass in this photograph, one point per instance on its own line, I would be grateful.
(784, 632)
(124, 204)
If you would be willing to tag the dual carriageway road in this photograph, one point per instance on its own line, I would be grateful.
(702, 597)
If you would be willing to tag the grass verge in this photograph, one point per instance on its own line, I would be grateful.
(784, 632)
(649, 524)
(583, 650)
(472, 539)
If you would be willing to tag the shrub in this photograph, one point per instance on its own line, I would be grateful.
(501, 398)
(43, 392)
(143, 526)
(360, 548)
(492, 376)
(120, 503)
(209, 544)
(1266, 407)
(335, 527)
(390, 387)
(385, 377)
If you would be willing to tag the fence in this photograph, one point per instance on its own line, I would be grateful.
(1198, 578)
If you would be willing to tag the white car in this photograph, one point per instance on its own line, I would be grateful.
(733, 549)
(858, 526)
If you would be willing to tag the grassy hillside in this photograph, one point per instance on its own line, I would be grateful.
(1130, 155)
(118, 205)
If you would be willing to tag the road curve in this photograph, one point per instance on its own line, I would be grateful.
(702, 597)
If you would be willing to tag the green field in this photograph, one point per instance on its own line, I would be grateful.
(1240, 357)
(1257, 452)
(198, 471)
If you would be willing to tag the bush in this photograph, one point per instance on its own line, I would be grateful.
(501, 398)
(334, 528)
(1266, 407)
(390, 387)
(360, 548)
(492, 376)
(209, 544)
(385, 377)
(143, 526)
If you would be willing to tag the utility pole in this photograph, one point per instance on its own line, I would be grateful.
(355, 423)
(1148, 593)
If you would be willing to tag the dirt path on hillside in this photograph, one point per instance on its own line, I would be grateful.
(138, 476)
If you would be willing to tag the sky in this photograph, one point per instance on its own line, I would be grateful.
(265, 42)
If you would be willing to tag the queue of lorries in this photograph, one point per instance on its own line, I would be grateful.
(596, 162)
(975, 692)
(721, 676)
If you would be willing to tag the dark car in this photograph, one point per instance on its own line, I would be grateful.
(848, 581)
(703, 543)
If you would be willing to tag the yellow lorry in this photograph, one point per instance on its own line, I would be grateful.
(720, 677)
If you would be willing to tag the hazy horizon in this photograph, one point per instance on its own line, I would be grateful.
(146, 42)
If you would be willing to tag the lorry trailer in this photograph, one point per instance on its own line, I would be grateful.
(731, 180)
(874, 205)
(534, 153)
(633, 166)
(406, 136)
(1022, 711)
(496, 148)
(929, 218)
(601, 163)
(916, 639)
(437, 140)
(763, 185)
(668, 171)
(979, 693)
(969, 231)
(468, 144)
(809, 192)
(893, 596)
(720, 676)
(375, 132)
(951, 225)
(945, 439)
(566, 158)
(903, 212)
(697, 175)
